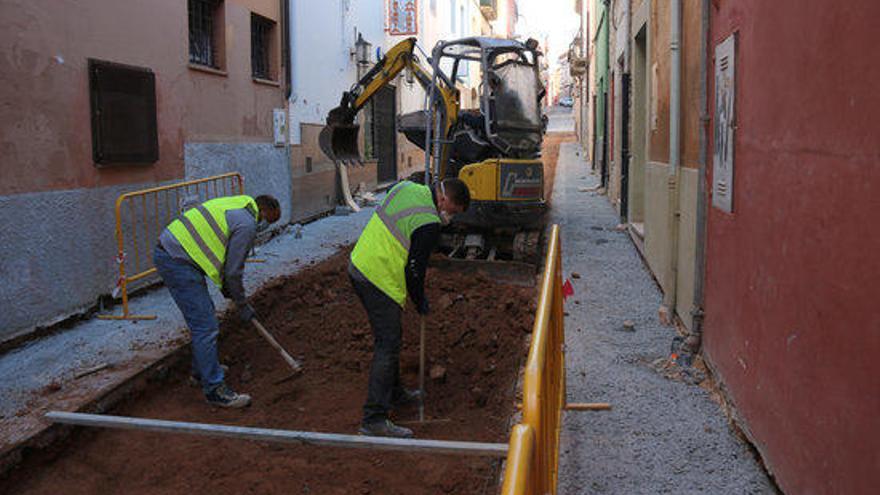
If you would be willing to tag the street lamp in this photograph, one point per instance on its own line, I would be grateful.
(362, 50)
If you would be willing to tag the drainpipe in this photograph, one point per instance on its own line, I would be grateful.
(627, 23)
(670, 296)
(694, 340)
(288, 90)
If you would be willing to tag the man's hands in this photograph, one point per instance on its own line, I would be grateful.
(246, 313)
(423, 307)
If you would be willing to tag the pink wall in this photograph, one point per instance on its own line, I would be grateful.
(793, 278)
(45, 133)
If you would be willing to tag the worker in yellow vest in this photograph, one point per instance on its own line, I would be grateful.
(387, 264)
(212, 239)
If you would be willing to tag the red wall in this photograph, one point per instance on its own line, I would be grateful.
(793, 275)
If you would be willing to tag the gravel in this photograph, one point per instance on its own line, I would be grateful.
(661, 436)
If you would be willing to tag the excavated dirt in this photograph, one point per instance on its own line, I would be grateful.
(475, 345)
(550, 155)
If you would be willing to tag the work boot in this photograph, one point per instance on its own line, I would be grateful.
(384, 428)
(195, 380)
(223, 396)
(405, 397)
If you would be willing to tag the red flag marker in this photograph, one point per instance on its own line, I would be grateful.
(567, 289)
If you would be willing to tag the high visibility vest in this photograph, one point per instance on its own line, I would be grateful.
(383, 248)
(203, 233)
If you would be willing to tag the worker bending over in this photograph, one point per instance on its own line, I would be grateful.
(212, 239)
(389, 262)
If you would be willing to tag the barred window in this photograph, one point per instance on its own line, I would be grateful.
(205, 24)
(262, 32)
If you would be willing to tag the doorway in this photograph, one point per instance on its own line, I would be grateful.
(638, 149)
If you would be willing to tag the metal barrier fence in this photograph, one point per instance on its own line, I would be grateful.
(533, 454)
(141, 216)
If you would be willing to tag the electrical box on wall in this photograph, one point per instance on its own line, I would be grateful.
(279, 120)
(725, 124)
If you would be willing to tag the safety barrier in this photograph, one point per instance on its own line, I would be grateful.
(533, 454)
(149, 211)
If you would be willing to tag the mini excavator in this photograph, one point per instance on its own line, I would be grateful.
(495, 149)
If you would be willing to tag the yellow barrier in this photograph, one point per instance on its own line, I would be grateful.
(149, 212)
(532, 467)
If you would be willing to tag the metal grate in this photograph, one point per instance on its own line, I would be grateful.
(261, 36)
(201, 32)
(123, 114)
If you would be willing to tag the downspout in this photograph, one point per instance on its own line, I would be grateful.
(288, 89)
(670, 296)
(694, 340)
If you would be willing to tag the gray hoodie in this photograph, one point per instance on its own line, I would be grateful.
(242, 231)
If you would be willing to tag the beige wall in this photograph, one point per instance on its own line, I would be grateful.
(656, 193)
(45, 134)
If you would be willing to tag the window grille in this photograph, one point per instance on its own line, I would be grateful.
(261, 37)
(201, 32)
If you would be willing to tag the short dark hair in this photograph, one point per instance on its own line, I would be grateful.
(266, 202)
(458, 192)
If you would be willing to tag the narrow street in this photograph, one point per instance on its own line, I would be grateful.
(317, 234)
(661, 435)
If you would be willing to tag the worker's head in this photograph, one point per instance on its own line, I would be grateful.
(270, 211)
(453, 197)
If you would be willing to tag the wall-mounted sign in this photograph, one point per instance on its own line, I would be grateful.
(403, 17)
(725, 124)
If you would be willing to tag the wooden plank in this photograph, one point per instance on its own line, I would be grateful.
(282, 436)
(588, 406)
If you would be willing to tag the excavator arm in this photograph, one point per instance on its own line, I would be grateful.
(339, 138)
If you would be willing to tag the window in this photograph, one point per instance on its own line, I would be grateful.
(123, 109)
(206, 25)
(262, 34)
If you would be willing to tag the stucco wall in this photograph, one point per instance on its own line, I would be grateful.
(62, 235)
(657, 220)
(263, 166)
(60, 255)
(322, 37)
(792, 322)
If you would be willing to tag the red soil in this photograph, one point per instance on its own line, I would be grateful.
(476, 332)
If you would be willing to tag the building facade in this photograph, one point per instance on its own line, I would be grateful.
(741, 158)
(73, 141)
(792, 326)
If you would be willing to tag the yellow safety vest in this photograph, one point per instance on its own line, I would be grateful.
(203, 233)
(383, 248)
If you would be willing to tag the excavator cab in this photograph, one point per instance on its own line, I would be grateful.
(494, 149)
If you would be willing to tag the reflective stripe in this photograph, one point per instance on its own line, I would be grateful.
(213, 223)
(415, 210)
(212, 258)
(391, 225)
(396, 189)
(390, 221)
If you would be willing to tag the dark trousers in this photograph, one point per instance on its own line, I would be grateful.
(384, 315)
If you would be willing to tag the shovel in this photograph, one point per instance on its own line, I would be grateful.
(422, 371)
(293, 363)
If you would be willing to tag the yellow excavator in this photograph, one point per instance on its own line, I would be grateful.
(495, 149)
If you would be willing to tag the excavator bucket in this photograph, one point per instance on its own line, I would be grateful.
(339, 141)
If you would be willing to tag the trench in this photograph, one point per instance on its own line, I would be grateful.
(476, 337)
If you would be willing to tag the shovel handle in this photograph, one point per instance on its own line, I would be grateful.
(422, 370)
(293, 363)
